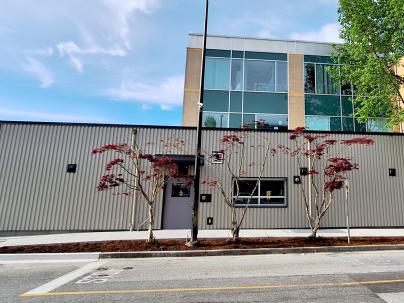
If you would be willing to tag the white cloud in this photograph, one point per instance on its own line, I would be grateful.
(123, 9)
(39, 71)
(328, 33)
(28, 115)
(167, 94)
(72, 50)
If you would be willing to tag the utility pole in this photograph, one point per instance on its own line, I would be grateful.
(198, 155)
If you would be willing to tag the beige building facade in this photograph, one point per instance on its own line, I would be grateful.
(282, 83)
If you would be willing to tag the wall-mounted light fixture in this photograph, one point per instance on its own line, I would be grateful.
(297, 180)
(209, 221)
(206, 198)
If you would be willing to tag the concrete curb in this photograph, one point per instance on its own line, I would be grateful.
(238, 252)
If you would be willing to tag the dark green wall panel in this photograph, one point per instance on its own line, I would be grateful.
(269, 103)
(236, 99)
(216, 100)
(322, 105)
(266, 56)
(217, 53)
(347, 108)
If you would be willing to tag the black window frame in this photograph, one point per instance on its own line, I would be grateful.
(285, 204)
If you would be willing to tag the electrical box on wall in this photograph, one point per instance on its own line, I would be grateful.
(209, 221)
(304, 171)
(71, 168)
(205, 198)
(392, 172)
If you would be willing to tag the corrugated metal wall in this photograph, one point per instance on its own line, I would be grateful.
(38, 195)
(162, 141)
(375, 199)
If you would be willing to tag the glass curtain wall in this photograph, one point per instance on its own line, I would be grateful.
(328, 106)
(245, 87)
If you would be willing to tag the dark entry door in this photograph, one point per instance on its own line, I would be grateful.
(179, 195)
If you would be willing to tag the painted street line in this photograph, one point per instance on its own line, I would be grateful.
(397, 297)
(210, 289)
(43, 289)
(48, 258)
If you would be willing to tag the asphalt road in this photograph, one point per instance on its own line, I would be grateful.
(325, 277)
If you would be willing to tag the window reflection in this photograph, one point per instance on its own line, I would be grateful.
(219, 120)
(260, 75)
(317, 123)
(281, 76)
(217, 73)
(236, 74)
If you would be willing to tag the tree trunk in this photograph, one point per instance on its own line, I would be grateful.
(235, 228)
(235, 232)
(314, 230)
(151, 238)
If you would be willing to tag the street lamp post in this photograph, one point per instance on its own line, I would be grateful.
(198, 155)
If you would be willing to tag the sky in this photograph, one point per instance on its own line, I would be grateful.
(123, 61)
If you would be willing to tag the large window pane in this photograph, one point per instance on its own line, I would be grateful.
(246, 188)
(360, 127)
(324, 83)
(281, 76)
(264, 192)
(348, 124)
(237, 74)
(318, 123)
(217, 73)
(235, 121)
(309, 78)
(248, 121)
(273, 121)
(219, 120)
(377, 125)
(259, 75)
(270, 188)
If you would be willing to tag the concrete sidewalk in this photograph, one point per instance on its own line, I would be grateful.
(183, 234)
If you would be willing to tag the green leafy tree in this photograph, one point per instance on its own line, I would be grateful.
(372, 55)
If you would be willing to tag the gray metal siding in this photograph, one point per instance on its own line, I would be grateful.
(36, 192)
(375, 198)
(160, 141)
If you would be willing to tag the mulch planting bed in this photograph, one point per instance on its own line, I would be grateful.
(205, 244)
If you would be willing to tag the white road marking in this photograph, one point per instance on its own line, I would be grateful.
(48, 258)
(98, 277)
(394, 297)
(66, 278)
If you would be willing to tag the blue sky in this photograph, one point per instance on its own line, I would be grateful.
(123, 61)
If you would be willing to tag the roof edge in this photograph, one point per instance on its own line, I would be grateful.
(266, 39)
